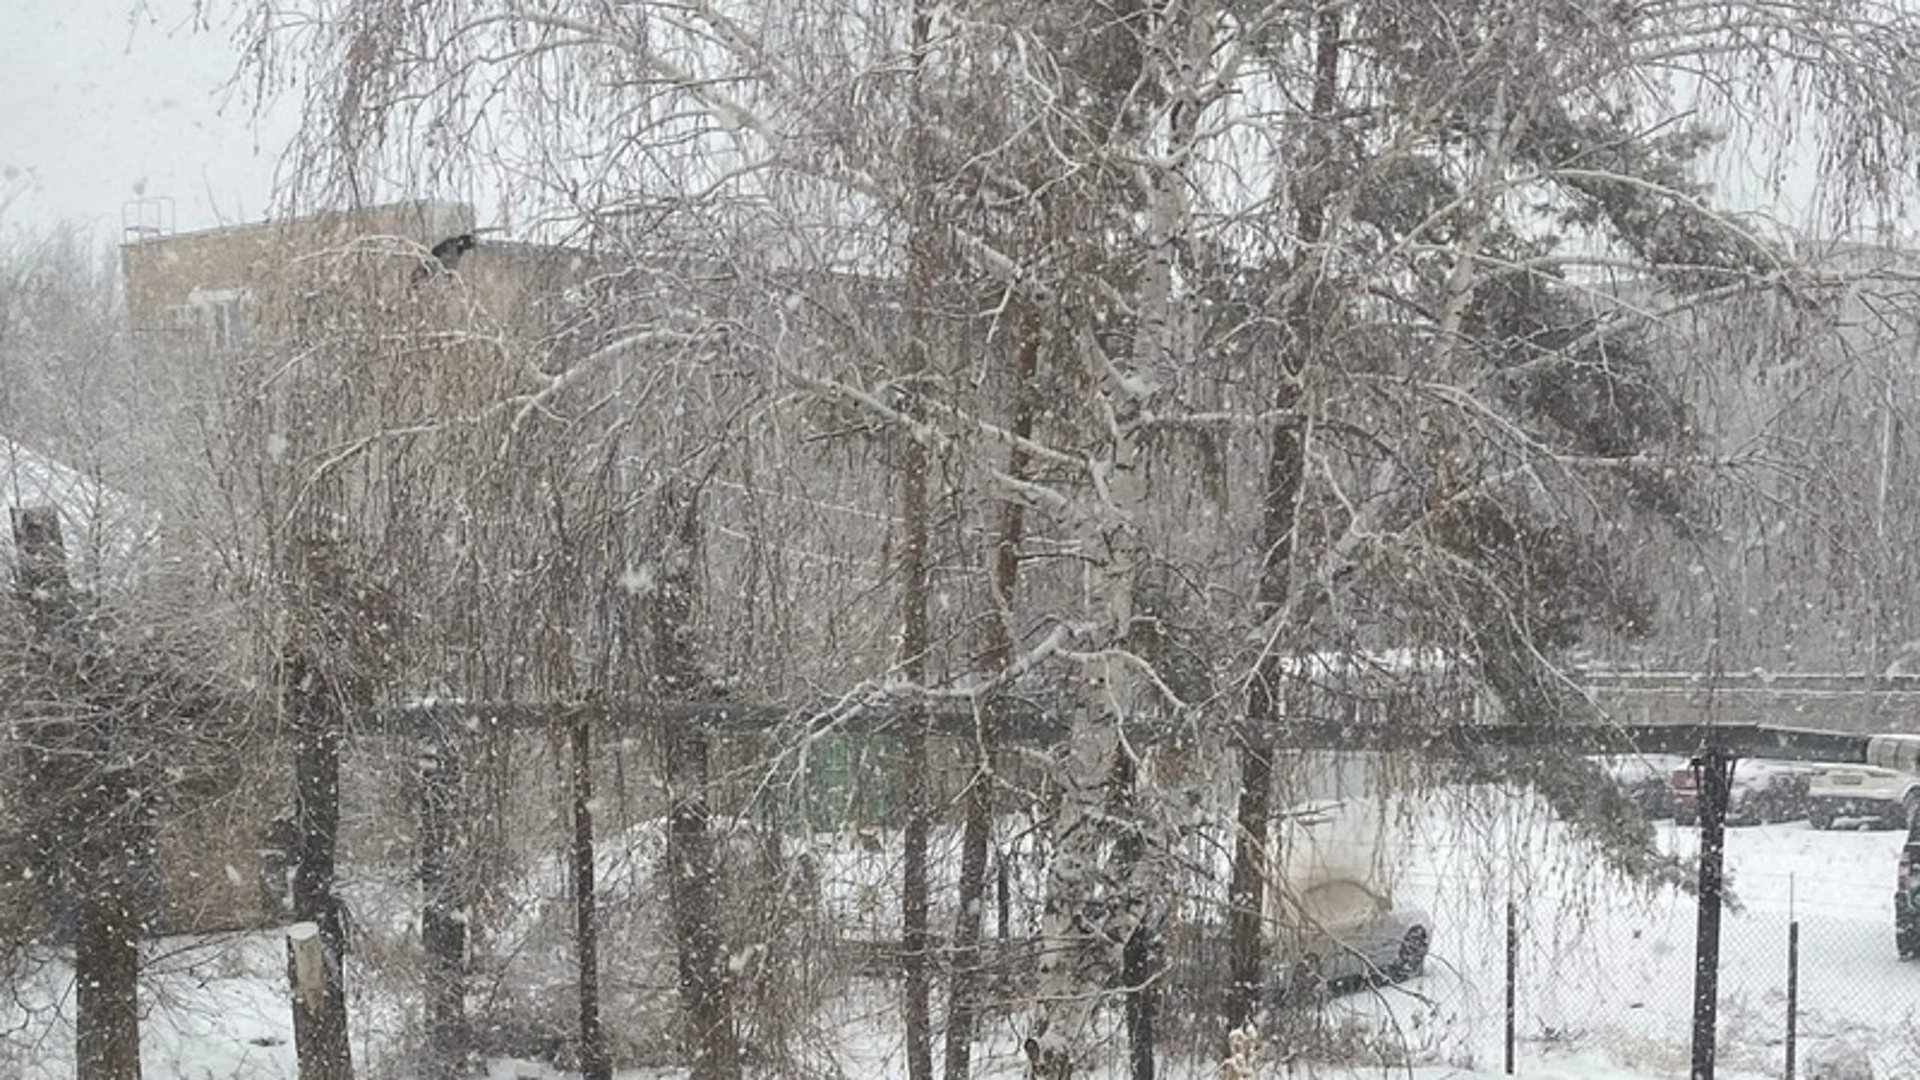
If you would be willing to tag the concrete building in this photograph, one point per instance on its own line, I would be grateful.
(223, 284)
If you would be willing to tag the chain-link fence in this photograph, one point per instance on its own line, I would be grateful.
(1810, 982)
(1808, 953)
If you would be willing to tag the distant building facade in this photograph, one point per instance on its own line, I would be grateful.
(223, 847)
(203, 282)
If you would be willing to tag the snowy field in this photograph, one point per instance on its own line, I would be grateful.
(1604, 985)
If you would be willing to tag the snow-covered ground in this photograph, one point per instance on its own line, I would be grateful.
(1605, 980)
(1608, 974)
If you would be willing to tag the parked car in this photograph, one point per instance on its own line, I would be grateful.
(1340, 935)
(1885, 797)
(1763, 792)
(1906, 896)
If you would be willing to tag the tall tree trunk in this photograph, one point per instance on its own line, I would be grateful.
(595, 1064)
(1137, 944)
(317, 949)
(1285, 470)
(916, 776)
(706, 992)
(443, 928)
(92, 812)
(1246, 892)
(106, 969)
(1078, 958)
(1003, 576)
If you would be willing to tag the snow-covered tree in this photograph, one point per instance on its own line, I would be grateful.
(1260, 333)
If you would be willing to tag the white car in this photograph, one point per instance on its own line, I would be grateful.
(1341, 935)
(1862, 793)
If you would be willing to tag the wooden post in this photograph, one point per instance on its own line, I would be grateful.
(106, 963)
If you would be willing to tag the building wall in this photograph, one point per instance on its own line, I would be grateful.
(182, 280)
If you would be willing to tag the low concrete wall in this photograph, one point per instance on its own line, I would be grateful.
(1855, 712)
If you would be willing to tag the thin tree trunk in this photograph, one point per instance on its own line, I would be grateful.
(1246, 892)
(1137, 972)
(316, 961)
(706, 992)
(1004, 572)
(594, 1061)
(1285, 471)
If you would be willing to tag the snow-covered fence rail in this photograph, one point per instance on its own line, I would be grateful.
(813, 859)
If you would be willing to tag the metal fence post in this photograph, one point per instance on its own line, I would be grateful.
(1793, 991)
(1513, 964)
(1713, 772)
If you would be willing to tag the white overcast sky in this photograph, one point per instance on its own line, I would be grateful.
(102, 101)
